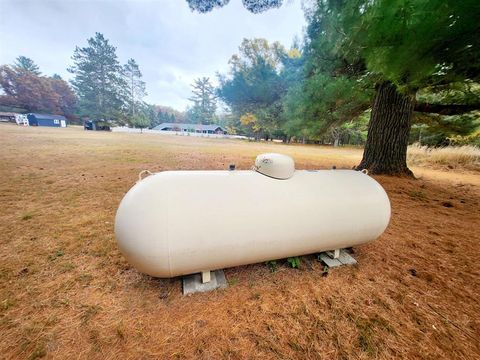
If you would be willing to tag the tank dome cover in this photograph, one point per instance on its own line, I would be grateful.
(277, 166)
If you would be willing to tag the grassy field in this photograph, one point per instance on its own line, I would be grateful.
(67, 292)
(466, 157)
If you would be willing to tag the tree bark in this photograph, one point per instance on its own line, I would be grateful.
(387, 140)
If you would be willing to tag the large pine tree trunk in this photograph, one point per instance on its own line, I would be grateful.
(386, 148)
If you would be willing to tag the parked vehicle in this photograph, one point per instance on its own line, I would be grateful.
(96, 125)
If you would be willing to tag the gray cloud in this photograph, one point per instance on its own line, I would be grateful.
(172, 45)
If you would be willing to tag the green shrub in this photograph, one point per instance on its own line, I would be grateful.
(294, 262)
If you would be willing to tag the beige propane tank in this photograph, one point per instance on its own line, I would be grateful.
(181, 222)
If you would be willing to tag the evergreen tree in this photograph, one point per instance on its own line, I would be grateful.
(254, 88)
(204, 101)
(150, 112)
(98, 79)
(26, 64)
(140, 120)
(136, 87)
(334, 90)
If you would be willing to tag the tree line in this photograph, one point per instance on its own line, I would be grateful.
(25, 88)
(101, 89)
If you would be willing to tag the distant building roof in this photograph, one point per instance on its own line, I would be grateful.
(48, 116)
(183, 127)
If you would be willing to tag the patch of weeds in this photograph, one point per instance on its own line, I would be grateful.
(129, 159)
(27, 216)
(382, 303)
(256, 296)
(68, 266)
(367, 328)
(56, 255)
(52, 320)
(38, 353)
(88, 312)
(111, 284)
(295, 346)
(417, 195)
(272, 265)
(229, 353)
(94, 337)
(294, 262)
(100, 252)
(143, 283)
(330, 302)
(60, 302)
(177, 355)
(366, 337)
(7, 304)
(417, 319)
(325, 271)
(4, 273)
(321, 325)
(232, 281)
(7, 322)
(120, 331)
(85, 279)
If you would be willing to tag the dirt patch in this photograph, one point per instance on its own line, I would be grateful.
(66, 291)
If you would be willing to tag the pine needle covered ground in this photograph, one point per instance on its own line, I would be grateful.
(67, 292)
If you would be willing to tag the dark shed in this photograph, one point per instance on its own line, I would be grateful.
(46, 120)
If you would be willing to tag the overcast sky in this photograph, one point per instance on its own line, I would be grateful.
(171, 44)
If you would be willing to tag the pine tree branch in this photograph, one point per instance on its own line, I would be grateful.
(441, 109)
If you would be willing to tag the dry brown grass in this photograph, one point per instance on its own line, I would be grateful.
(452, 157)
(66, 291)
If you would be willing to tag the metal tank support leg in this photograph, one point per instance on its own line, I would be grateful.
(206, 277)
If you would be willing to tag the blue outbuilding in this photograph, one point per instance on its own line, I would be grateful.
(46, 120)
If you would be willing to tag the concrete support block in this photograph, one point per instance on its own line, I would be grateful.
(329, 261)
(194, 283)
(337, 258)
(346, 259)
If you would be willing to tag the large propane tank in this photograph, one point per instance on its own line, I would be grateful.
(182, 222)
